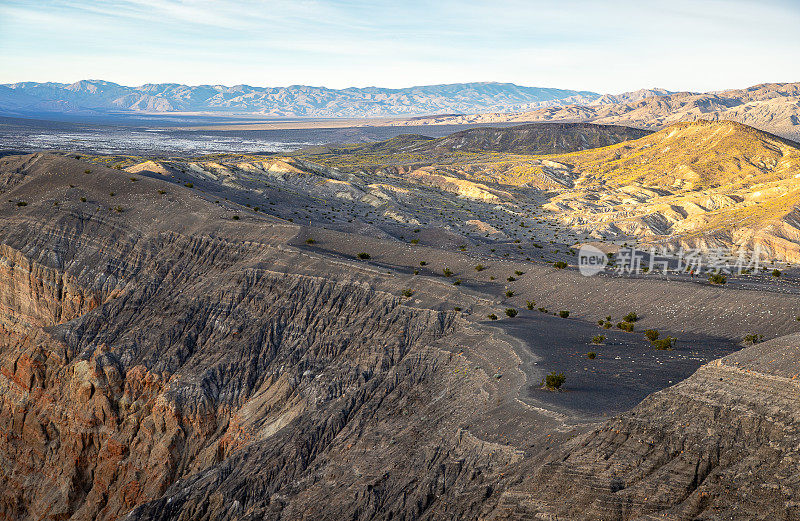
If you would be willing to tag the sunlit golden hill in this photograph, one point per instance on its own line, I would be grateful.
(701, 184)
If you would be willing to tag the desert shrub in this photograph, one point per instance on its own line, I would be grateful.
(563, 313)
(776, 273)
(518, 273)
(600, 322)
(422, 263)
(651, 334)
(591, 355)
(416, 272)
(598, 339)
(480, 267)
(663, 343)
(630, 317)
(134, 179)
(407, 293)
(543, 310)
(511, 279)
(112, 194)
(717, 278)
(529, 304)
(447, 272)
(87, 171)
(511, 312)
(310, 241)
(554, 380)
(235, 217)
(83, 199)
(363, 255)
(118, 209)
(753, 339)
(22, 203)
(188, 185)
(560, 265)
(492, 316)
(509, 293)
(456, 308)
(625, 326)
(457, 282)
(162, 192)
(608, 325)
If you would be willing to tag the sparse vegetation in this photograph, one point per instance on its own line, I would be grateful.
(717, 278)
(447, 272)
(530, 304)
(188, 185)
(509, 293)
(625, 326)
(480, 267)
(752, 339)
(511, 312)
(663, 344)
(591, 355)
(651, 334)
(560, 265)
(363, 255)
(83, 199)
(407, 293)
(554, 381)
(563, 313)
(457, 282)
(630, 317)
(235, 217)
(492, 316)
(22, 203)
(598, 339)
(310, 241)
(518, 273)
(776, 272)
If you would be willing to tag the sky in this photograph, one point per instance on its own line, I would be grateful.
(606, 46)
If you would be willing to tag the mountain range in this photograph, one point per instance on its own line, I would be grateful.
(772, 107)
(90, 97)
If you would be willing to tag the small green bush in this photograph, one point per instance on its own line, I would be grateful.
(22, 203)
(457, 282)
(363, 255)
(598, 339)
(591, 355)
(310, 241)
(563, 313)
(776, 273)
(83, 199)
(511, 279)
(509, 293)
(480, 267)
(554, 380)
(414, 241)
(630, 317)
(188, 185)
(625, 326)
(407, 293)
(753, 339)
(422, 263)
(717, 278)
(518, 273)
(492, 316)
(162, 192)
(530, 304)
(543, 310)
(511, 312)
(608, 325)
(560, 265)
(235, 217)
(447, 272)
(664, 343)
(651, 334)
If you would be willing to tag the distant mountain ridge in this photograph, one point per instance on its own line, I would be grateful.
(772, 107)
(100, 97)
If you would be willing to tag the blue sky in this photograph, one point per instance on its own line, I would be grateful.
(601, 45)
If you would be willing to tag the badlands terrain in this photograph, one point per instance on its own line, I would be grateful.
(365, 331)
